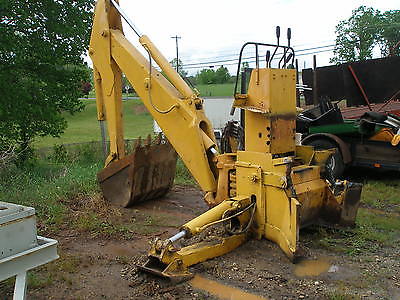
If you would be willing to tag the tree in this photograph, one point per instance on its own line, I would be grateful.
(181, 71)
(209, 76)
(389, 35)
(86, 88)
(206, 76)
(356, 36)
(365, 29)
(222, 75)
(41, 66)
(126, 85)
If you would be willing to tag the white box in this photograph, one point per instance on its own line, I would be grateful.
(17, 229)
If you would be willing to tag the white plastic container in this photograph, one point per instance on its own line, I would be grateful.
(17, 229)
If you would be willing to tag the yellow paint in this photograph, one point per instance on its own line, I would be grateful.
(383, 135)
(222, 291)
(312, 267)
(288, 192)
(271, 111)
(177, 108)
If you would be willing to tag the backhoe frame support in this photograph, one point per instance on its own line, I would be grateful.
(270, 189)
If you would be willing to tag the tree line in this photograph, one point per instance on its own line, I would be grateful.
(204, 76)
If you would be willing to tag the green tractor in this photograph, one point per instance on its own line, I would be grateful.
(370, 141)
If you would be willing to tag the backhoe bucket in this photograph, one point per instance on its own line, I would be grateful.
(147, 173)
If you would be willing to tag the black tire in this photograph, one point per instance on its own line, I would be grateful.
(334, 165)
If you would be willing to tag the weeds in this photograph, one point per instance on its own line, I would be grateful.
(99, 226)
(377, 223)
(39, 280)
(182, 174)
(382, 194)
(372, 232)
(342, 296)
(46, 186)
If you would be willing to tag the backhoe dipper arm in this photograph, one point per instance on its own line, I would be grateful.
(172, 103)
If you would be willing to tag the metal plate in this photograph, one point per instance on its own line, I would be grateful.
(44, 252)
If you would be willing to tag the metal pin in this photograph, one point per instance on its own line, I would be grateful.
(177, 236)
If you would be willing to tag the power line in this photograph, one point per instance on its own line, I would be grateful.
(235, 53)
(252, 59)
(199, 64)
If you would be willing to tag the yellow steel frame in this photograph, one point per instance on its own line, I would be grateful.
(267, 175)
(177, 109)
(281, 179)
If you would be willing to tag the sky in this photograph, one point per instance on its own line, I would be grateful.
(213, 30)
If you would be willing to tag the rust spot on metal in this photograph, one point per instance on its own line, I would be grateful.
(289, 116)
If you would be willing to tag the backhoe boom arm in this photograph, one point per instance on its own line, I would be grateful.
(172, 103)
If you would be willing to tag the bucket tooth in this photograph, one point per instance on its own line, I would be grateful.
(138, 141)
(157, 140)
(148, 140)
(147, 173)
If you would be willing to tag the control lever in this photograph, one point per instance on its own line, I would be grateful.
(278, 35)
(289, 37)
(285, 51)
(288, 58)
(267, 57)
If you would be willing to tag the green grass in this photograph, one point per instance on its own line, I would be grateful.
(46, 185)
(84, 127)
(216, 90)
(374, 229)
(65, 180)
(182, 175)
(377, 224)
(382, 193)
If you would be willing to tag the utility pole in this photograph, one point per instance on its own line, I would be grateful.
(177, 52)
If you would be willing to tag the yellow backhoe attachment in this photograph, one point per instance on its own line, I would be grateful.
(171, 261)
(272, 188)
(269, 188)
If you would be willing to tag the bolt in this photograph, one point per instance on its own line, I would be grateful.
(253, 178)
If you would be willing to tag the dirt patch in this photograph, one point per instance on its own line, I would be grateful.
(102, 266)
